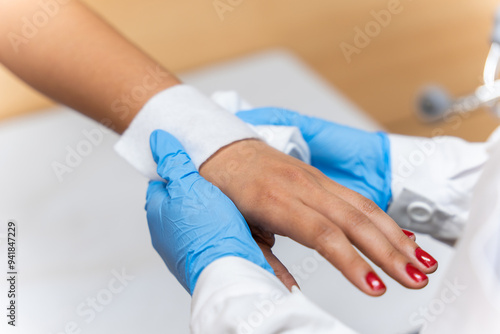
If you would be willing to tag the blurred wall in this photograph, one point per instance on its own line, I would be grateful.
(380, 68)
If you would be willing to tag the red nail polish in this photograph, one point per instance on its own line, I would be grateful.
(415, 274)
(425, 258)
(374, 281)
(409, 234)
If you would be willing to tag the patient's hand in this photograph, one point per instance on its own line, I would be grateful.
(357, 159)
(279, 194)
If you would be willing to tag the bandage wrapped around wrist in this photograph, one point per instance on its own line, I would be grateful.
(201, 125)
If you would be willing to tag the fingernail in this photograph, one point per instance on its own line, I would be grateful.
(374, 281)
(415, 274)
(409, 234)
(425, 258)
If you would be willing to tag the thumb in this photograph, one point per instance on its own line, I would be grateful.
(174, 164)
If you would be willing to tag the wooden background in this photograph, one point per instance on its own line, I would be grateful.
(442, 41)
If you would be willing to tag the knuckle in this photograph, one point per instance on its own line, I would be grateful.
(270, 196)
(392, 255)
(404, 241)
(356, 262)
(295, 174)
(368, 207)
(326, 238)
(355, 220)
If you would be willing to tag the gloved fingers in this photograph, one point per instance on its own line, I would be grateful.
(308, 126)
(358, 223)
(156, 188)
(174, 164)
(157, 191)
(270, 116)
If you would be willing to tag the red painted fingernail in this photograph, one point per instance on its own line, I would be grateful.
(374, 281)
(409, 234)
(415, 274)
(425, 258)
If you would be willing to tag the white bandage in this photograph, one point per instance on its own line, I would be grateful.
(202, 127)
(287, 139)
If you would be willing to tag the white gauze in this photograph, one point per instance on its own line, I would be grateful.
(201, 126)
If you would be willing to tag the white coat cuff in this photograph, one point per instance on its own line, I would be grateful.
(234, 295)
(432, 182)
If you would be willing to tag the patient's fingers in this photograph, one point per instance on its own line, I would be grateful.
(279, 269)
(362, 233)
(313, 230)
(410, 235)
(265, 241)
(387, 227)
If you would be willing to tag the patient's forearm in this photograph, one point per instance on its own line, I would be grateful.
(77, 59)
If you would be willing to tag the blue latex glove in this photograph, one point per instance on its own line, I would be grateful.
(192, 223)
(356, 159)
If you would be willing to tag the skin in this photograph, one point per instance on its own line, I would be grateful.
(77, 56)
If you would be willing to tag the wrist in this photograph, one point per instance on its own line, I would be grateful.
(225, 166)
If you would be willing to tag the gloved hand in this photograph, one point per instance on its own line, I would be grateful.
(356, 159)
(192, 223)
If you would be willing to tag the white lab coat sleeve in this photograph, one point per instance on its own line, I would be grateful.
(468, 300)
(234, 295)
(432, 182)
